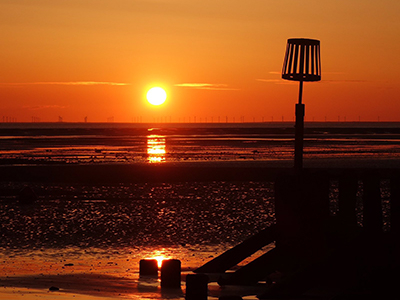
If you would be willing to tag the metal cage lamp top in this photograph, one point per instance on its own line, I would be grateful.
(302, 60)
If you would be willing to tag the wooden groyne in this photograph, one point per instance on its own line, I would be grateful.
(341, 252)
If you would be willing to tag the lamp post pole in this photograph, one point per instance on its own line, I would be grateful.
(299, 131)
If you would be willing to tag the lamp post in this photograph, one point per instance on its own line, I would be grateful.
(302, 63)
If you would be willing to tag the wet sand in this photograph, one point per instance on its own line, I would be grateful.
(192, 222)
(105, 275)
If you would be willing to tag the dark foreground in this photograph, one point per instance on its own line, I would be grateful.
(185, 171)
(336, 237)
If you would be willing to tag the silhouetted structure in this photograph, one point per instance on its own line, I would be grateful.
(148, 267)
(171, 273)
(339, 254)
(302, 63)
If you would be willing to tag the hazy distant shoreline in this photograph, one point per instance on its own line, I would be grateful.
(276, 124)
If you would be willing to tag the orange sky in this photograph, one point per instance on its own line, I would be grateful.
(98, 58)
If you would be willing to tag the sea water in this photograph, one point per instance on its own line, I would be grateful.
(96, 143)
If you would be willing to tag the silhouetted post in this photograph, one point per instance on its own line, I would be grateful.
(302, 63)
(375, 254)
(148, 267)
(395, 216)
(301, 208)
(171, 273)
(395, 204)
(348, 186)
(372, 222)
(299, 131)
(196, 287)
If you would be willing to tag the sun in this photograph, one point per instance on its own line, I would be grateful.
(156, 96)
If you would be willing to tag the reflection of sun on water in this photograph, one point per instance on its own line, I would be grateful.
(159, 260)
(156, 148)
(159, 256)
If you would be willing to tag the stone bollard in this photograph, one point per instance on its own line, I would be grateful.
(196, 287)
(171, 273)
(148, 267)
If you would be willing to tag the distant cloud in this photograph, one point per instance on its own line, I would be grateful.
(269, 80)
(277, 81)
(206, 86)
(66, 83)
(346, 80)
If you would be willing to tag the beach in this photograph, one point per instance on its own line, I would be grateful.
(95, 274)
(97, 212)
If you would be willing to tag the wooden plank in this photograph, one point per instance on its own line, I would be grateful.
(285, 259)
(256, 270)
(238, 253)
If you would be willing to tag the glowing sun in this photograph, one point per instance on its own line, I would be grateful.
(156, 96)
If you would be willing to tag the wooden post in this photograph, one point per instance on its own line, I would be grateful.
(238, 253)
(171, 273)
(148, 267)
(372, 222)
(301, 207)
(395, 217)
(196, 287)
(395, 205)
(348, 185)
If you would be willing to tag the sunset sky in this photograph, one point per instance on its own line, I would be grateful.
(215, 58)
